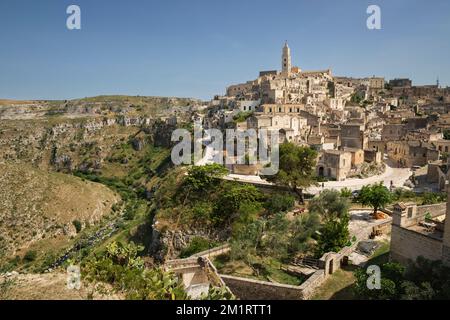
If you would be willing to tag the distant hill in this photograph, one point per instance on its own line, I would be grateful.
(9, 102)
(95, 106)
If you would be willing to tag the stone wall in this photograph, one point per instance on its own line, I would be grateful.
(309, 287)
(384, 228)
(408, 245)
(214, 252)
(434, 209)
(249, 289)
(418, 213)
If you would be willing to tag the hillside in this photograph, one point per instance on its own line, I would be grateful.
(38, 210)
(48, 286)
(95, 106)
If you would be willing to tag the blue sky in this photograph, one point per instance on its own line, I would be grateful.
(195, 48)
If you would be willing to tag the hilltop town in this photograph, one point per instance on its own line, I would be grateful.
(363, 180)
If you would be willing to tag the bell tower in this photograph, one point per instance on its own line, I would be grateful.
(286, 64)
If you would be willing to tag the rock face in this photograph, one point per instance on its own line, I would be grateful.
(38, 138)
(77, 144)
(167, 244)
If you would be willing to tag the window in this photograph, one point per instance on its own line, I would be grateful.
(290, 109)
(270, 109)
(279, 109)
(410, 212)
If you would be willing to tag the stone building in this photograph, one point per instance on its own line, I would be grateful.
(403, 82)
(442, 145)
(352, 136)
(357, 155)
(411, 153)
(335, 164)
(420, 231)
(284, 118)
(376, 83)
(286, 64)
(373, 156)
(290, 85)
(248, 105)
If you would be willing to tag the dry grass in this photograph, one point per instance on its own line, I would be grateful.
(337, 286)
(48, 286)
(37, 209)
(9, 102)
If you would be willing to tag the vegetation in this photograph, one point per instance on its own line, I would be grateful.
(447, 134)
(122, 268)
(376, 195)
(422, 280)
(434, 197)
(196, 245)
(334, 233)
(30, 255)
(425, 198)
(77, 225)
(237, 203)
(356, 98)
(280, 203)
(346, 193)
(202, 178)
(274, 237)
(242, 116)
(202, 198)
(296, 168)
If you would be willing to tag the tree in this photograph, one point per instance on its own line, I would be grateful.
(280, 203)
(333, 208)
(330, 205)
(232, 198)
(375, 195)
(422, 280)
(388, 290)
(302, 231)
(447, 134)
(275, 237)
(334, 235)
(296, 168)
(201, 178)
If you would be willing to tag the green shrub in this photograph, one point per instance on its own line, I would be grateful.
(197, 244)
(280, 203)
(346, 193)
(31, 255)
(77, 225)
(202, 211)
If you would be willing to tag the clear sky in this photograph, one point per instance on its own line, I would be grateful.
(195, 48)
